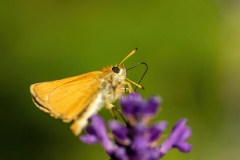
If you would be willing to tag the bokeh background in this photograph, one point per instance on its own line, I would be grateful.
(192, 48)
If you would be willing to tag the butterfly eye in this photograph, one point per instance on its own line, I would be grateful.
(115, 69)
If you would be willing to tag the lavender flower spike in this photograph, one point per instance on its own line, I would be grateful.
(136, 140)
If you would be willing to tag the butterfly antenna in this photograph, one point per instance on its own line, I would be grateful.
(129, 55)
(142, 75)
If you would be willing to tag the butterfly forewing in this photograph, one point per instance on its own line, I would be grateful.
(68, 97)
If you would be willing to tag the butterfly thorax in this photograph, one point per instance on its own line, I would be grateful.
(113, 82)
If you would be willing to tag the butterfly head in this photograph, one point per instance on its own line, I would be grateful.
(119, 71)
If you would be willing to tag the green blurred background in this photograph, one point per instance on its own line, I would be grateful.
(192, 48)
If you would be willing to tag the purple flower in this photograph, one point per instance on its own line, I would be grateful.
(136, 140)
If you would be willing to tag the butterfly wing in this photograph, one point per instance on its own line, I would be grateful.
(67, 98)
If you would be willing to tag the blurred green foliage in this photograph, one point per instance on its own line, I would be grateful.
(191, 46)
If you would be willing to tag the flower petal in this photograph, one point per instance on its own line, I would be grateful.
(90, 139)
(179, 134)
(119, 131)
(152, 105)
(156, 130)
(98, 130)
(140, 143)
(119, 154)
(184, 147)
(131, 104)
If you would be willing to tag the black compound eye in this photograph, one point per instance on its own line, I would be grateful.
(115, 69)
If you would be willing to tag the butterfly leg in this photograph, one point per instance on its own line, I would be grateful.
(114, 109)
(111, 107)
(130, 89)
(127, 89)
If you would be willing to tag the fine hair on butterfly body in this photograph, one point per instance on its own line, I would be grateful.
(78, 98)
